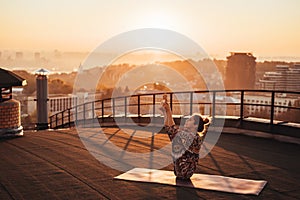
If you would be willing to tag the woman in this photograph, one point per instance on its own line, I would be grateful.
(186, 142)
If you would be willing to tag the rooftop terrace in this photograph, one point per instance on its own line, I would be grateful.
(55, 165)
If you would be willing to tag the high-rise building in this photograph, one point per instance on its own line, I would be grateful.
(240, 71)
(285, 78)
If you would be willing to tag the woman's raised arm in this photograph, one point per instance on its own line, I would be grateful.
(168, 119)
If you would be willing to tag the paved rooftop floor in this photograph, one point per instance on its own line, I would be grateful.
(56, 165)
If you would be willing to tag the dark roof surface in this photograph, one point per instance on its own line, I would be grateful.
(8, 79)
(56, 165)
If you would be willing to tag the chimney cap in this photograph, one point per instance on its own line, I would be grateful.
(42, 71)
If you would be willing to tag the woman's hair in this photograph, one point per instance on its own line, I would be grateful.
(200, 121)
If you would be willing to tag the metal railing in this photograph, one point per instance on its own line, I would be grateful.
(216, 103)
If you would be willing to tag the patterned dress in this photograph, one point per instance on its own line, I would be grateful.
(185, 150)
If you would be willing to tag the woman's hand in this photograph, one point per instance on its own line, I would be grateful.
(168, 119)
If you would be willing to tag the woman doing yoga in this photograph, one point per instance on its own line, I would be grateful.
(186, 141)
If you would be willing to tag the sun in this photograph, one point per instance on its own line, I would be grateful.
(158, 19)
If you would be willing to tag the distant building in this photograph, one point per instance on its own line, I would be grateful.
(240, 71)
(37, 56)
(19, 55)
(285, 78)
(258, 103)
(58, 104)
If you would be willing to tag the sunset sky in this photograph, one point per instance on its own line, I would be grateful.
(267, 28)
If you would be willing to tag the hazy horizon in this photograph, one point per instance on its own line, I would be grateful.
(268, 29)
(57, 61)
(260, 58)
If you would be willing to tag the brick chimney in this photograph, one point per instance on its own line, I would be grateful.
(10, 109)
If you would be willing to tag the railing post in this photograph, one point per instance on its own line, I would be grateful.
(139, 107)
(191, 103)
(69, 117)
(171, 101)
(113, 107)
(272, 108)
(102, 109)
(62, 119)
(125, 104)
(84, 114)
(93, 112)
(242, 107)
(76, 113)
(153, 102)
(125, 109)
(50, 122)
(56, 120)
(214, 106)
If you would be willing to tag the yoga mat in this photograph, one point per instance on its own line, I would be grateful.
(201, 181)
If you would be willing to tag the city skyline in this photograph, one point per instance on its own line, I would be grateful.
(268, 29)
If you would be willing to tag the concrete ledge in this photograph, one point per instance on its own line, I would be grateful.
(256, 124)
(260, 134)
(11, 132)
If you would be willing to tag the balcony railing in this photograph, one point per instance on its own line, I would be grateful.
(273, 107)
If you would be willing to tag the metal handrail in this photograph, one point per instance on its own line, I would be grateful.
(68, 117)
